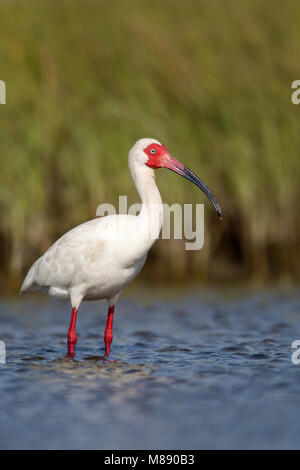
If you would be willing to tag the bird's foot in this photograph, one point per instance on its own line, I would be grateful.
(72, 340)
(71, 351)
(105, 360)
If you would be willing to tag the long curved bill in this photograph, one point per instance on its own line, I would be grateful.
(174, 165)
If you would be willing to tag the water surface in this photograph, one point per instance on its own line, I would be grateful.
(205, 370)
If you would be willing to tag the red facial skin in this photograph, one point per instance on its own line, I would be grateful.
(162, 158)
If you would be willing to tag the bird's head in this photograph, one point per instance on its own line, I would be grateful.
(153, 154)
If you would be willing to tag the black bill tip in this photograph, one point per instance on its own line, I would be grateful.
(219, 212)
(189, 175)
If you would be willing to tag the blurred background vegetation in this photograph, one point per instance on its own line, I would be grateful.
(211, 80)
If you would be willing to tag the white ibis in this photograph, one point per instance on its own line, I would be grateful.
(98, 258)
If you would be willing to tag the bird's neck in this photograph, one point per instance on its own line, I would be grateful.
(151, 215)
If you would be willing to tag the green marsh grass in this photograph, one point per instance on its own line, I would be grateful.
(211, 80)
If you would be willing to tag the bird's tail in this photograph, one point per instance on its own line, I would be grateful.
(29, 284)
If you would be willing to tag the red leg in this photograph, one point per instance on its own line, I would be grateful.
(72, 337)
(108, 335)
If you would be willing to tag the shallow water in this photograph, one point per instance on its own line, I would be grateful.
(206, 370)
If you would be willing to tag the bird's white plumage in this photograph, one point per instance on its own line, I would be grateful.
(98, 258)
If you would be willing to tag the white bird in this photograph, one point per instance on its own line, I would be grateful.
(98, 258)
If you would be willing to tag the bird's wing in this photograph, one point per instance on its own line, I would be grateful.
(62, 264)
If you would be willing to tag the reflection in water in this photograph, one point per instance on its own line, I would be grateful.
(206, 371)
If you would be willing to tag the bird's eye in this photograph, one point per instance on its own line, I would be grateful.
(152, 151)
